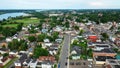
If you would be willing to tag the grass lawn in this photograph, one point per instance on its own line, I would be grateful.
(10, 25)
(10, 62)
(28, 21)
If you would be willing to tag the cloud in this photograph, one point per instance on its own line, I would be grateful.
(97, 4)
(58, 4)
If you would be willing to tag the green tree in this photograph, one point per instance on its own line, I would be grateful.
(81, 32)
(41, 37)
(38, 51)
(55, 35)
(105, 36)
(31, 38)
(5, 55)
(90, 52)
(76, 27)
(19, 27)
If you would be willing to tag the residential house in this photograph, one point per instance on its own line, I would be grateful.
(46, 58)
(117, 42)
(8, 39)
(99, 44)
(112, 63)
(47, 44)
(58, 40)
(80, 64)
(75, 52)
(44, 30)
(33, 63)
(18, 65)
(53, 49)
(47, 64)
(57, 29)
(3, 44)
(46, 40)
(13, 54)
(1, 62)
(27, 62)
(4, 50)
(100, 55)
(92, 38)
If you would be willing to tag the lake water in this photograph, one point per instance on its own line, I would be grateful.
(5, 16)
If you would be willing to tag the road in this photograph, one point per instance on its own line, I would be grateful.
(65, 53)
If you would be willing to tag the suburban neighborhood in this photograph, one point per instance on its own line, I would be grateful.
(60, 39)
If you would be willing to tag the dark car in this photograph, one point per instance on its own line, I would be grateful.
(66, 63)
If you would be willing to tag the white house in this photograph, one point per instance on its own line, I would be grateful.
(33, 64)
(46, 64)
(46, 40)
(48, 44)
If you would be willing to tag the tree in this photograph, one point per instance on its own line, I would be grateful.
(19, 27)
(39, 51)
(81, 32)
(76, 27)
(89, 52)
(67, 24)
(55, 35)
(5, 55)
(105, 36)
(17, 45)
(31, 38)
(41, 37)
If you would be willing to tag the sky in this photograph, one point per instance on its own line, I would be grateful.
(60, 4)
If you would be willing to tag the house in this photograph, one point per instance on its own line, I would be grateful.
(27, 62)
(112, 63)
(18, 64)
(46, 58)
(58, 40)
(8, 39)
(46, 40)
(47, 64)
(23, 57)
(75, 52)
(44, 30)
(24, 29)
(47, 44)
(33, 63)
(4, 50)
(57, 29)
(53, 49)
(97, 44)
(1, 62)
(92, 38)
(3, 44)
(117, 41)
(30, 50)
(13, 54)
(80, 64)
(101, 55)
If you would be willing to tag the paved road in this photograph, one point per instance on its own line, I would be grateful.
(65, 52)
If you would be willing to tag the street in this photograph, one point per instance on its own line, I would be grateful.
(64, 57)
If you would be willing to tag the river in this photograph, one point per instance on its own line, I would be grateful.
(5, 16)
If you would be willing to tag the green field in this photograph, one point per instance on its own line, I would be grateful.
(10, 25)
(26, 21)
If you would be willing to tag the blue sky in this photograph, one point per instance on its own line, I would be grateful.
(59, 4)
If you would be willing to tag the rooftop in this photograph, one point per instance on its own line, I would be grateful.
(106, 50)
(103, 58)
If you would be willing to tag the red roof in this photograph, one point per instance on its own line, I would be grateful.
(93, 38)
(44, 58)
